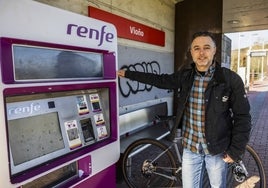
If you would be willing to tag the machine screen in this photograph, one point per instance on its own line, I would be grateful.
(36, 63)
(33, 139)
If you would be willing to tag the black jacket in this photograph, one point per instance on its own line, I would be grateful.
(228, 121)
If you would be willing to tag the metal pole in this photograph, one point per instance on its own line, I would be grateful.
(248, 69)
(262, 61)
(238, 55)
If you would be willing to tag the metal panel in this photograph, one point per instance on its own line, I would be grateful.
(138, 119)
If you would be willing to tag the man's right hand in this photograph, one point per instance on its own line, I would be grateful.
(121, 73)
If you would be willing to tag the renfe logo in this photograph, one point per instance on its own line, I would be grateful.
(84, 32)
(33, 107)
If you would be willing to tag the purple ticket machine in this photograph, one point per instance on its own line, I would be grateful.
(59, 116)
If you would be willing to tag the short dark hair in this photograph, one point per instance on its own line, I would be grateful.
(204, 34)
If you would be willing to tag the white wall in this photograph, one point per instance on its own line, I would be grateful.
(159, 14)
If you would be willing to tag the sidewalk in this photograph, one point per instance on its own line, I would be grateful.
(258, 97)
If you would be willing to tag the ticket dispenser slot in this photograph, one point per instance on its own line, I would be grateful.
(87, 130)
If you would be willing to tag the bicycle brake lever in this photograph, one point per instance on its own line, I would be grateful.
(239, 171)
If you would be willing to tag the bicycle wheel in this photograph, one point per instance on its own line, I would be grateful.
(256, 174)
(148, 163)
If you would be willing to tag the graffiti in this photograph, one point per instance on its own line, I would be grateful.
(127, 86)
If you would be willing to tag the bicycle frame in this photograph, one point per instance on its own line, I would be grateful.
(178, 155)
(156, 164)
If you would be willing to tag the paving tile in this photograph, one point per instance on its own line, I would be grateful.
(258, 97)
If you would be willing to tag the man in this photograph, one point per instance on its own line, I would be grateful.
(213, 112)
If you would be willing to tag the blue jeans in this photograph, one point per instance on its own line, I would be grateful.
(194, 165)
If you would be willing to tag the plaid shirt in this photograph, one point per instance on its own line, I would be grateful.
(194, 115)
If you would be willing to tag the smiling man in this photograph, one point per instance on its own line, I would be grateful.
(203, 49)
(213, 113)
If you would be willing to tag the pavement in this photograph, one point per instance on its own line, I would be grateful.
(258, 98)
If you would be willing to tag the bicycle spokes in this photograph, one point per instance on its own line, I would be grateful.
(153, 166)
(148, 168)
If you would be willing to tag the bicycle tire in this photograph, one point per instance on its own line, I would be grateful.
(145, 151)
(254, 166)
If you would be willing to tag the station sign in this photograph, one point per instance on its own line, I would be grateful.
(129, 29)
(258, 54)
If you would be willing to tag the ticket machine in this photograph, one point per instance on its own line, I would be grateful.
(58, 104)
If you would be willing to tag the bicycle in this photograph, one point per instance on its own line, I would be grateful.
(153, 163)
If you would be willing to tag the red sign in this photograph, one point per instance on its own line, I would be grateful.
(129, 29)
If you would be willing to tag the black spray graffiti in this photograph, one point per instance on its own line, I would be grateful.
(134, 86)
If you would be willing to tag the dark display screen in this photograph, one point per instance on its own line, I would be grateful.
(35, 136)
(35, 63)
